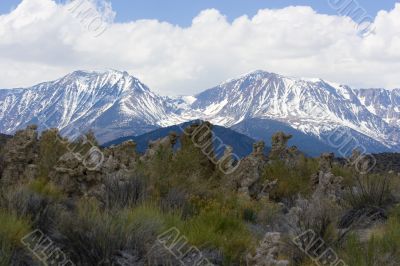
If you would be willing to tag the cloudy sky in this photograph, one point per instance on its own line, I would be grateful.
(184, 47)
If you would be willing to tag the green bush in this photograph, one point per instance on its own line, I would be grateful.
(221, 231)
(46, 189)
(92, 236)
(383, 248)
(368, 199)
(12, 230)
(29, 205)
(249, 215)
(291, 180)
(123, 193)
(371, 190)
(51, 147)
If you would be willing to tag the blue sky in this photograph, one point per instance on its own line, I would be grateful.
(181, 12)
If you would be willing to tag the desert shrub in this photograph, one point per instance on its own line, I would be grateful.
(26, 204)
(390, 241)
(346, 172)
(222, 230)
(368, 199)
(12, 230)
(191, 161)
(2, 164)
(379, 250)
(89, 236)
(249, 215)
(92, 236)
(217, 227)
(291, 180)
(355, 253)
(184, 171)
(122, 193)
(177, 200)
(268, 213)
(249, 210)
(45, 188)
(373, 190)
(160, 163)
(317, 215)
(51, 147)
(382, 248)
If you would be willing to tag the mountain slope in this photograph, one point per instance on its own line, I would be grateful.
(383, 103)
(263, 129)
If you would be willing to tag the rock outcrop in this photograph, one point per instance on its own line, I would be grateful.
(165, 143)
(268, 252)
(362, 163)
(324, 183)
(120, 157)
(279, 146)
(73, 177)
(246, 178)
(226, 163)
(280, 151)
(20, 156)
(77, 177)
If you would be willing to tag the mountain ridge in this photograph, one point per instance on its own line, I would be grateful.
(115, 104)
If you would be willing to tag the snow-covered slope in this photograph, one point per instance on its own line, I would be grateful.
(112, 103)
(383, 103)
(315, 107)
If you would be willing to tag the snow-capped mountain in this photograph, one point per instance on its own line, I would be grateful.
(312, 106)
(115, 104)
(112, 103)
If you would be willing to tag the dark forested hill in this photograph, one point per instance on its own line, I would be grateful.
(242, 144)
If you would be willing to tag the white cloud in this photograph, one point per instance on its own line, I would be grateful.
(41, 40)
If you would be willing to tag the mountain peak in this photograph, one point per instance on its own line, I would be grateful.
(97, 79)
(255, 73)
(108, 72)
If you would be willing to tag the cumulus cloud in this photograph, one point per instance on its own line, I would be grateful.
(42, 40)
